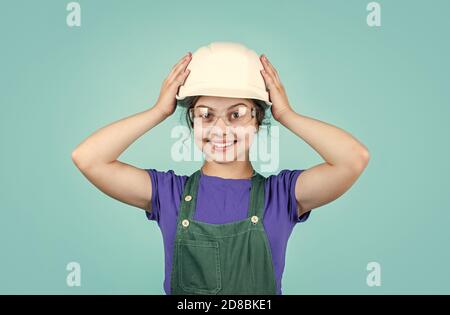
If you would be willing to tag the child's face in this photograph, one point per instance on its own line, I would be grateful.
(224, 127)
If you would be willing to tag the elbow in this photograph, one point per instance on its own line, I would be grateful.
(362, 159)
(357, 159)
(365, 156)
(78, 160)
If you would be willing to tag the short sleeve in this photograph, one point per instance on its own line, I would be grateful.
(293, 202)
(154, 213)
(282, 194)
(166, 191)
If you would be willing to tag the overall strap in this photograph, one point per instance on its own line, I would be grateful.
(189, 197)
(256, 206)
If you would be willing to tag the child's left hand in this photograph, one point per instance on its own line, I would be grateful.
(277, 94)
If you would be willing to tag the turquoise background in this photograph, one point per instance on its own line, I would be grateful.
(387, 86)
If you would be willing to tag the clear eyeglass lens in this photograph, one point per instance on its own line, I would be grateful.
(237, 116)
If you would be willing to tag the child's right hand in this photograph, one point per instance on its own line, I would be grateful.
(166, 102)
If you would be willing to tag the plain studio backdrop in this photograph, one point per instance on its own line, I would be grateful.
(386, 85)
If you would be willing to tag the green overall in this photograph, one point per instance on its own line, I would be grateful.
(231, 258)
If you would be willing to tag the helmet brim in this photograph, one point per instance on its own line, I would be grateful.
(248, 92)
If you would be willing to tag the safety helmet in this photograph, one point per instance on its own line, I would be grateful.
(224, 69)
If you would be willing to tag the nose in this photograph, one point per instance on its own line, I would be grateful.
(221, 129)
(220, 123)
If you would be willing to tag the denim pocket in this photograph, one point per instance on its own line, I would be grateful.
(199, 266)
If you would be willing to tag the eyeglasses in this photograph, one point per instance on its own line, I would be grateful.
(237, 116)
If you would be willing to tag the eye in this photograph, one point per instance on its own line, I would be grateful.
(201, 113)
(235, 115)
(240, 112)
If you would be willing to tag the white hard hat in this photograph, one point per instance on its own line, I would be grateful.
(225, 69)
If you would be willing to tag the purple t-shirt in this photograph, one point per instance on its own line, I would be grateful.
(223, 200)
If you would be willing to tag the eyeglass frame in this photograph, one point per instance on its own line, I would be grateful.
(253, 114)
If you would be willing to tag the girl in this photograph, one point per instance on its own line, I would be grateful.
(225, 227)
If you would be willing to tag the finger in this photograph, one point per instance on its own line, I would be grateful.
(180, 79)
(181, 67)
(270, 68)
(271, 77)
(267, 67)
(182, 76)
(270, 82)
(176, 67)
(181, 60)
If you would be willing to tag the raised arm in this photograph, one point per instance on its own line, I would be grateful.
(96, 157)
(345, 160)
(345, 157)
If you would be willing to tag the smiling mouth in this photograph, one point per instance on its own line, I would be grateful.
(221, 146)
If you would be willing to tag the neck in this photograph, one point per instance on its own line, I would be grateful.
(232, 170)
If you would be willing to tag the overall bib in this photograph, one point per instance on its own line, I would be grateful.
(231, 258)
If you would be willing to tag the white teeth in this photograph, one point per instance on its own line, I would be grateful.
(222, 145)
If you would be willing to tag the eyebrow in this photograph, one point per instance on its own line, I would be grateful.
(201, 105)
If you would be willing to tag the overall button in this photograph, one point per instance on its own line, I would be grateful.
(254, 219)
(188, 198)
(185, 223)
